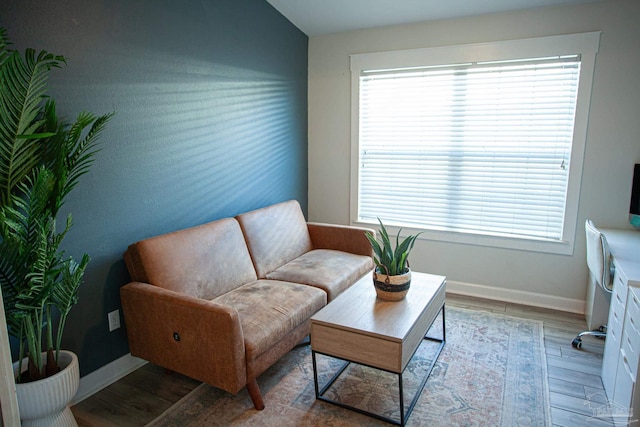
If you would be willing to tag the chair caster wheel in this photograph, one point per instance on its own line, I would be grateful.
(576, 343)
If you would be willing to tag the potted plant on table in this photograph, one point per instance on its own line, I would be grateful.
(392, 275)
(41, 161)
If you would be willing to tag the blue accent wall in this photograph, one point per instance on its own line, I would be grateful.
(211, 102)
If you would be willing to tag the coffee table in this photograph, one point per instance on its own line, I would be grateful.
(357, 327)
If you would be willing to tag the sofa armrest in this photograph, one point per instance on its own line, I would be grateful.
(188, 335)
(340, 237)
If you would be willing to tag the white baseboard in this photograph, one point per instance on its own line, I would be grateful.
(105, 376)
(518, 297)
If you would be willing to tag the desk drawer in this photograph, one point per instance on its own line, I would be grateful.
(616, 316)
(613, 342)
(624, 391)
(630, 348)
(632, 316)
(618, 307)
(620, 288)
(610, 358)
(631, 332)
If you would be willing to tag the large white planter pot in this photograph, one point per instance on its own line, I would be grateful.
(46, 402)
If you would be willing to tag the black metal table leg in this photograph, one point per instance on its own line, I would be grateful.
(403, 416)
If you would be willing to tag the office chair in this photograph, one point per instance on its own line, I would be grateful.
(600, 278)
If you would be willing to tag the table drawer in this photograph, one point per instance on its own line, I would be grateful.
(357, 347)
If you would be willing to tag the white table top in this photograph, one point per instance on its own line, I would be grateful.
(625, 248)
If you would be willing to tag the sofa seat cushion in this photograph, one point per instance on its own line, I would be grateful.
(270, 309)
(330, 270)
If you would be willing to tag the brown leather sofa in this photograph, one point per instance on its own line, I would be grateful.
(223, 301)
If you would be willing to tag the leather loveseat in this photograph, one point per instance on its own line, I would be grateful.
(223, 301)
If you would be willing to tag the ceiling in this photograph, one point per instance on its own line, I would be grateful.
(318, 17)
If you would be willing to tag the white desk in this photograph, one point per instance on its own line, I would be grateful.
(621, 357)
(625, 248)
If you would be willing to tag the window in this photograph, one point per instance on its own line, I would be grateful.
(477, 143)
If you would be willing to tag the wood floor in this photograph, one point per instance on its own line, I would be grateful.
(575, 385)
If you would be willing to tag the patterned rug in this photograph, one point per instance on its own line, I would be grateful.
(491, 372)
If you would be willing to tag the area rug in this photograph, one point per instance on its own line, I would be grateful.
(491, 372)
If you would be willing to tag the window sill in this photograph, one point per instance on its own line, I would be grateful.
(557, 247)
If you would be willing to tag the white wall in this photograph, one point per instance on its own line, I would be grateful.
(613, 141)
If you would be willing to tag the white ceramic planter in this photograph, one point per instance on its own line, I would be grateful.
(46, 402)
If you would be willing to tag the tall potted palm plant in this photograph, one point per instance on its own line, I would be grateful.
(41, 160)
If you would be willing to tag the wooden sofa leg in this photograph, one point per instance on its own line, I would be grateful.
(254, 392)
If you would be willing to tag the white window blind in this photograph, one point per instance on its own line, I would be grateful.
(475, 148)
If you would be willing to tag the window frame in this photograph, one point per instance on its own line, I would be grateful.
(584, 44)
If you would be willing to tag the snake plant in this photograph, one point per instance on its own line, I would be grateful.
(389, 260)
(41, 160)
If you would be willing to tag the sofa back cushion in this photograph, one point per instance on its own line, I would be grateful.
(204, 261)
(275, 235)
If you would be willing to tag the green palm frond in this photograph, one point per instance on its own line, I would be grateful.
(82, 146)
(71, 151)
(66, 296)
(4, 45)
(24, 85)
(25, 230)
(10, 278)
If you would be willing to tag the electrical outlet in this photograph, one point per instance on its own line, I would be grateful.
(114, 320)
